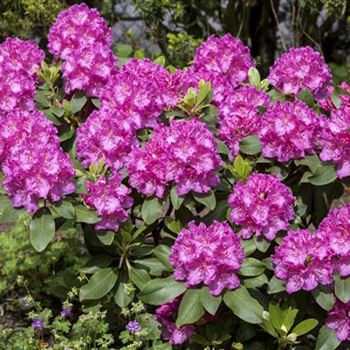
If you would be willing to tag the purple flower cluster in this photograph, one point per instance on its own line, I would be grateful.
(211, 255)
(302, 261)
(82, 39)
(33, 164)
(18, 61)
(239, 116)
(224, 61)
(183, 152)
(106, 135)
(262, 206)
(143, 90)
(300, 68)
(339, 320)
(77, 27)
(288, 130)
(111, 200)
(335, 140)
(166, 315)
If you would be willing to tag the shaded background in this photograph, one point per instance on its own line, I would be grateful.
(175, 27)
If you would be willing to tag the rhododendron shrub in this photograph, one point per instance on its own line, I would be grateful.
(205, 196)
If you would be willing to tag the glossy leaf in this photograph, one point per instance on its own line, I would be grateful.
(42, 230)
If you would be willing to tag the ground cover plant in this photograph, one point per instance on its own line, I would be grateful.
(174, 208)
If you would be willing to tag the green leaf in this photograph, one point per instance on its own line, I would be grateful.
(86, 215)
(208, 199)
(248, 246)
(42, 230)
(140, 277)
(190, 309)
(151, 210)
(307, 97)
(121, 298)
(326, 339)
(276, 286)
(105, 237)
(244, 305)
(241, 168)
(77, 103)
(96, 262)
(305, 326)
(162, 252)
(100, 283)
(324, 297)
(252, 267)
(161, 290)
(323, 175)
(262, 244)
(254, 77)
(176, 200)
(123, 50)
(65, 209)
(160, 60)
(139, 54)
(173, 225)
(336, 99)
(255, 282)
(209, 302)
(342, 288)
(250, 145)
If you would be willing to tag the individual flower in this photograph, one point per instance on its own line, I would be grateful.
(210, 255)
(239, 116)
(339, 319)
(142, 89)
(335, 140)
(334, 231)
(183, 152)
(225, 57)
(35, 170)
(345, 94)
(300, 68)
(133, 327)
(18, 61)
(261, 206)
(288, 130)
(166, 316)
(77, 27)
(89, 68)
(107, 134)
(111, 200)
(66, 312)
(37, 324)
(299, 261)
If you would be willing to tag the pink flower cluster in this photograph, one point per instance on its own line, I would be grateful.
(183, 152)
(211, 255)
(111, 200)
(302, 261)
(77, 27)
(18, 61)
(262, 206)
(288, 130)
(106, 135)
(224, 61)
(335, 140)
(166, 315)
(143, 90)
(82, 39)
(300, 68)
(339, 320)
(239, 116)
(334, 232)
(34, 166)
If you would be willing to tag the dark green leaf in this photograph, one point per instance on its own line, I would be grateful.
(42, 230)
(324, 297)
(208, 199)
(151, 210)
(250, 145)
(100, 283)
(161, 290)
(86, 215)
(327, 339)
(342, 288)
(323, 175)
(209, 302)
(77, 103)
(139, 277)
(105, 237)
(305, 326)
(244, 305)
(65, 209)
(121, 297)
(276, 286)
(190, 309)
(176, 200)
(252, 267)
(307, 97)
(162, 252)
(255, 282)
